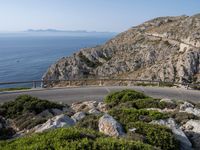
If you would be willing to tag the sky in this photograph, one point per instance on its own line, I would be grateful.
(91, 15)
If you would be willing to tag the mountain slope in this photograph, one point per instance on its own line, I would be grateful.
(165, 48)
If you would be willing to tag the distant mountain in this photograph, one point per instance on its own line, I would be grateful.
(165, 48)
(64, 31)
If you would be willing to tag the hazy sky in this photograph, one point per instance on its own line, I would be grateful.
(99, 15)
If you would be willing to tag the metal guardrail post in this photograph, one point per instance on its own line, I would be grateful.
(100, 83)
(69, 83)
(34, 84)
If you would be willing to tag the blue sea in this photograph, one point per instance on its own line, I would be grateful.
(27, 57)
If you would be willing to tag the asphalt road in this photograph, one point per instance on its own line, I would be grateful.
(70, 95)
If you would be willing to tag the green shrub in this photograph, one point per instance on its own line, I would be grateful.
(182, 117)
(90, 122)
(26, 104)
(156, 135)
(123, 96)
(71, 139)
(126, 116)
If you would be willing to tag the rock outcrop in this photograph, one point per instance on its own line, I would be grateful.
(55, 122)
(109, 126)
(165, 48)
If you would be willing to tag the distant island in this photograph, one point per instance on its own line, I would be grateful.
(65, 31)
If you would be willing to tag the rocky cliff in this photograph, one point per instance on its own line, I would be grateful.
(165, 48)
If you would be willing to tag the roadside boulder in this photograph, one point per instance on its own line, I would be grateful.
(189, 108)
(167, 100)
(192, 130)
(102, 107)
(94, 111)
(55, 122)
(78, 116)
(84, 106)
(109, 126)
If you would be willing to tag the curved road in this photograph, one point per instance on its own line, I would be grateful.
(70, 95)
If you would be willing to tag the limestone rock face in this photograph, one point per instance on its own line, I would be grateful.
(165, 48)
(55, 122)
(179, 134)
(109, 126)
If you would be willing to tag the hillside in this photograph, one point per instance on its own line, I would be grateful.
(165, 48)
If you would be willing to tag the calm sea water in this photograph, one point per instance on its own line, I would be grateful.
(25, 58)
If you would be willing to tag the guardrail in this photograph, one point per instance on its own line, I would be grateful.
(97, 81)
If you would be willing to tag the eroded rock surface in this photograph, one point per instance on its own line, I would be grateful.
(55, 122)
(165, 48)
(109, 126)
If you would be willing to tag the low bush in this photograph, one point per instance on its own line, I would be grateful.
(182, 117)
(156, 135)
(26, 104)
(116, 98)
(90, 122)
(71, 138)
(126, 116)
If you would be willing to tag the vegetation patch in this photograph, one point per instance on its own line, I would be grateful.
(71, 138)
(26, 104)
(147, 103)
(14, 89)
(156, 135)
(90, 122)
(116, 98)
(126, 116)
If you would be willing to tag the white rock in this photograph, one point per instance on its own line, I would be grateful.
(192, 125)
(109, 126)
(186, 105)
(78, 116)
(132, 130)
(94, 111)
(179, 134)
(84, 106)
(102, 107)
(166, 100)
(189, 108)
(192, 128)
(55, 122)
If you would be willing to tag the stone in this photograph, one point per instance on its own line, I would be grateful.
(179, 134)
(94, 111)
(186, 105)
(192, 129)
(166, 100)
(78, 116)
(189, 108)
(109, 126)
(55, 122)
(132, 130)
(102, 107)
(84, 106)
(192, 125)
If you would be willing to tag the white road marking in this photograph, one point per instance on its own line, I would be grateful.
(107, 89)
